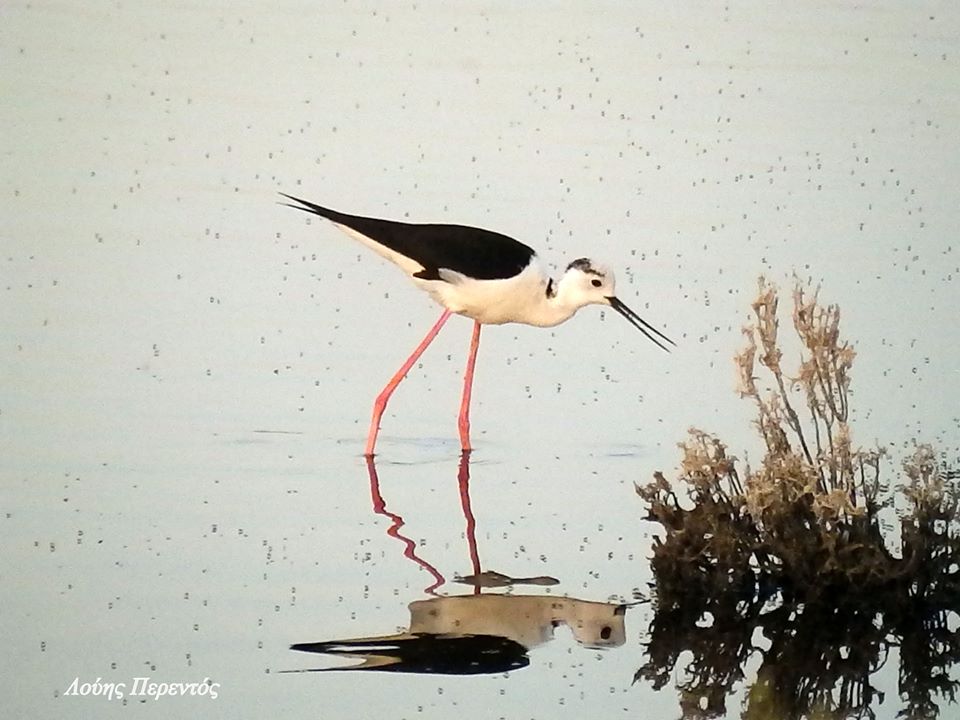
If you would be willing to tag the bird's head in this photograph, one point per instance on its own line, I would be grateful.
(586, 282)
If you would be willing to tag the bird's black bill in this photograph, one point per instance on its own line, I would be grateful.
(642, 325)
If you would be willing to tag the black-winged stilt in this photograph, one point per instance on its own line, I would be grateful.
(482, 275)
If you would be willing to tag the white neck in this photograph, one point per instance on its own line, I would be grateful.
(558, 306)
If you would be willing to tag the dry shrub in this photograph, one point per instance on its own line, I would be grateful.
(795, 545)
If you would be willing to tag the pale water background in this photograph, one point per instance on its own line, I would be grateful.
(187, 367)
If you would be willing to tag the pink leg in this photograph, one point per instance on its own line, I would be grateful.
(463, 422)
(380, 403)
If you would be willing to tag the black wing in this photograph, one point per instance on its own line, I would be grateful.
(471, 251)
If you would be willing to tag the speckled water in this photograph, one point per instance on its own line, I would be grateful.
(187, 367)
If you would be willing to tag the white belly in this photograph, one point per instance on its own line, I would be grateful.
(520, 299)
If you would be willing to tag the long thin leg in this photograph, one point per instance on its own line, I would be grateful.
(463, 422)
(380, 404)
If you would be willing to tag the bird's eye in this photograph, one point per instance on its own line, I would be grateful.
(596, 283)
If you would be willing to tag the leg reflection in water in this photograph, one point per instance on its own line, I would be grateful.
(410, 547)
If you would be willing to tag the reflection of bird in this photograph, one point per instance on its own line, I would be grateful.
(483, 275)
(446, 654)
(528, 619)
(469, 634)
(492, 579)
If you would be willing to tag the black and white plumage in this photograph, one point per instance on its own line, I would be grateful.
(483, 275)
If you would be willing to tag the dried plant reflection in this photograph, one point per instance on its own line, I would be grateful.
(789, 561)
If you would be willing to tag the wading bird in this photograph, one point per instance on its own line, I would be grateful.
(482, 275)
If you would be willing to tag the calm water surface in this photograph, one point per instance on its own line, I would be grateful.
(187, 367)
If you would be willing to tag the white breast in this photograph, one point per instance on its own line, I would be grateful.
(520, 299)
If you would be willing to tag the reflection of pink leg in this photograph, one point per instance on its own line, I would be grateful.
(463, 422)
(380, 403)
(410, 547)
(463, 480)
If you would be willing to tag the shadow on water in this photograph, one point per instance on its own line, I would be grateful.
(474, 633)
